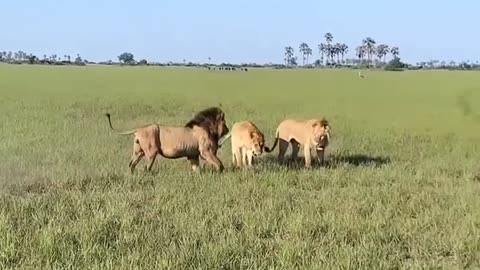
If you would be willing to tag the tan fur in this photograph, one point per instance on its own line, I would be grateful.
(198, 138)
(247, 143)
(312, 133)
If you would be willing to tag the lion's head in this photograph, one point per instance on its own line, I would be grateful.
(258, 143)
(321, 134)
(212, 120)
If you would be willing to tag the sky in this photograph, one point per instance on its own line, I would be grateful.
(237, 31)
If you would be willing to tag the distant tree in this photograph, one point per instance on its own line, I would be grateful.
(381, 51)
(293, 61)
(288, 55)
(369, 45)
(69, 58)
(78, 59)
(322, 49)
(308, 52)
(330, 50)
(328, 37)
(452, 63)
(395, 64)
(32, 59)
(126, 58)
(343, 51)
(303, 51)
(395, 52)
(360, 52)
(337, 48)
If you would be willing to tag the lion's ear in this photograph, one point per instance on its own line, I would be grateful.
(324, 122)
(252, 134)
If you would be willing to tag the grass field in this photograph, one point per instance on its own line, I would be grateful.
(402, 189)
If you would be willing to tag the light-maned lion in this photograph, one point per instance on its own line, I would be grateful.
(248, 142)
(198, 138)
(312, 133)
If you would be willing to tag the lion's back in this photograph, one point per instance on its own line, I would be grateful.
(241, 133)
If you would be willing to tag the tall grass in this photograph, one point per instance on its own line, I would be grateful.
(401, 190)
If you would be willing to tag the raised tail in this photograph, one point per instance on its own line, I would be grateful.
(121, 133)
(268, 150)
(224, 139)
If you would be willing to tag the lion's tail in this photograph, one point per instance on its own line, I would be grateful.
(224, 139)
(121, 133)
(268, 150)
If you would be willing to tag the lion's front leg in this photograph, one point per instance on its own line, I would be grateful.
(211, 158)
(249, 158)
(308, 156)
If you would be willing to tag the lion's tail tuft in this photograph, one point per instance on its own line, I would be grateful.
(268, 150)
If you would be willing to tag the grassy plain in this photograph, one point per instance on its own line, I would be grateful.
(402, 189)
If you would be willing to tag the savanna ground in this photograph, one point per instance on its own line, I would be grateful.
(401, 190)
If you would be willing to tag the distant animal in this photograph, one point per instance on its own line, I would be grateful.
(198, 138)
(312, 133)
(360, 74)
(246, 69)
(248, 142)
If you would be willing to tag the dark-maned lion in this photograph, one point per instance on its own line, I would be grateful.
(198, 138)
(312, 133)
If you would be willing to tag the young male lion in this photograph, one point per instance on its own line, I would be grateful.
(198, 138)
(247, 142)
(312, 133)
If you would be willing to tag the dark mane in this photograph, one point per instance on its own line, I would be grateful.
(324, 122)
(207, 118)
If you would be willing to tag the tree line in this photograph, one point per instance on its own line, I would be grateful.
(333, 54)
(21, 57)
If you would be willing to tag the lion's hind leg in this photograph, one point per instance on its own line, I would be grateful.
(236, 157)
(295, 150)
(137, 155)
(283, 146)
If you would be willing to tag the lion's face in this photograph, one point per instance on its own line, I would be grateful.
(321, 135)
(258, 143)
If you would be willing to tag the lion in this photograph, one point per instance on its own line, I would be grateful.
(198, 138)
(247, 142)
(312, 133)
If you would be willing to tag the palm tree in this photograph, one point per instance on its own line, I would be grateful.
(322, 48)
(330, 49)
(360, 52)
(328, 37)
(395, 52)
(303, 49)
(381, 51)
(369, 44)
(288, 55)
(344, 50)
(338, 51)
(308, 52)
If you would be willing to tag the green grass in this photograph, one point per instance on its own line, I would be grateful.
(402, 190)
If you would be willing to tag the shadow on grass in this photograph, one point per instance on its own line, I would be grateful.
(332, 162)
(358, 160)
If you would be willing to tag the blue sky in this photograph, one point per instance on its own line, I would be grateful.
(237, 31)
